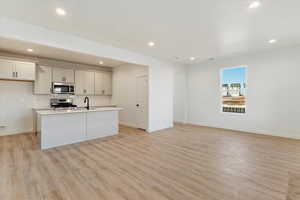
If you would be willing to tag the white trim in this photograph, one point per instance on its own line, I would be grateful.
(127, 124)
(260, 132)
(180, 122)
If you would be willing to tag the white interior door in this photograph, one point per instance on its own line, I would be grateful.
(142, 102)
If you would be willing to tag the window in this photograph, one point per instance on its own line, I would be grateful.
(233, 89)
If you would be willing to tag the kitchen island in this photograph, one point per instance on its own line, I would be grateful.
(61, 127)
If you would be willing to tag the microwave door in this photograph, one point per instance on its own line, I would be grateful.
(61, 89)
(56, 89)
(64, 89)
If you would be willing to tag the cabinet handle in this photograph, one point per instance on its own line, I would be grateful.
(17, 74)
(84, 91)
(13, 74)
(103, 91)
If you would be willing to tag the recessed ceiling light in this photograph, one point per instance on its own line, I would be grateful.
(60, 11)
(192, 58)
(30, 50)
(254, 4)
(151, 44)
(272, 41)
(101, 62)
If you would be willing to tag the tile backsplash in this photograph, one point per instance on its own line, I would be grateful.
(42, 101)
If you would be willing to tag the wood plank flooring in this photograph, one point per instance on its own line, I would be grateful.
(182, 163)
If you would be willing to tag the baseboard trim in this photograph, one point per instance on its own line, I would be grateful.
(179, 123)
(18, 133)
(263, 133)
(127, 124)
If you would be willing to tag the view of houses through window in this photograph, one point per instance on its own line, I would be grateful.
(234, 89)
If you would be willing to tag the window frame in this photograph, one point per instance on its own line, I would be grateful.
(221, 87)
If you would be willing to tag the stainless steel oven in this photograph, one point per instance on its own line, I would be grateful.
(63, 88)
(62, 103)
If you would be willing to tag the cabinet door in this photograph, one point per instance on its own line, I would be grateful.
(103, 83)
(107, 83)
(101, 124)
(43, 80)
(63, 75)
(6, 69)
(99, 89)
(57, 130)
(25, 71)
(84, 81)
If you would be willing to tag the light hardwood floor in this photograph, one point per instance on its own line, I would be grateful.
(183, 163)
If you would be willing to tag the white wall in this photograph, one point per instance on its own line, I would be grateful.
(16, 102)
(273, 97)
(124, 91)
(160, 72)
(180, 94)
(161, 93)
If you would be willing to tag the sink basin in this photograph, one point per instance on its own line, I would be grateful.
(83, 108)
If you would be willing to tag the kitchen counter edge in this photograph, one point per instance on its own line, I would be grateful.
(59, 112)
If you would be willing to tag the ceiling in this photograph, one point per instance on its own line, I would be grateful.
(20, 47)
(180, 29)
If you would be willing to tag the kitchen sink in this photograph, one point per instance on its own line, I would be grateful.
(83, 108)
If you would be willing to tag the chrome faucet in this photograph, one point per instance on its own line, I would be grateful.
(87, 100)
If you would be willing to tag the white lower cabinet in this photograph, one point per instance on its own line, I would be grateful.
(58, 130)
(69, 128)
(102, 124)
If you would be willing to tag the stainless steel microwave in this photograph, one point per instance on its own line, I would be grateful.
(63, 88)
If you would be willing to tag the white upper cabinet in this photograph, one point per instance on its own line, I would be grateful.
(107, 83)
(103, 83)
(43, 81)
(7, 69)
(63, 75)
(98, 84)
(84, 83)
(17, 70)
(25, 71)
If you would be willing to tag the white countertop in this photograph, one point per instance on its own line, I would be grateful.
(70, 111)
(49, 108)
